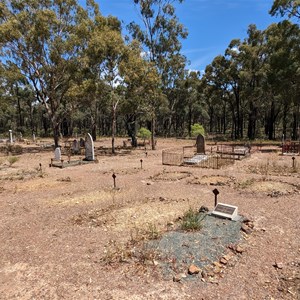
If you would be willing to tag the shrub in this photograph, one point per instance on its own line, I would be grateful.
(144, 133)
(197, 129)
(190, 220)
(12, 160)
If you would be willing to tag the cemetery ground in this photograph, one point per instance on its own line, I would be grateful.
(67, 233)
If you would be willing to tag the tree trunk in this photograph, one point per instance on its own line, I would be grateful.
(190, 121)
(131, 129)
(113, 130)
(55, 126)
(252, 121)
(152, 132)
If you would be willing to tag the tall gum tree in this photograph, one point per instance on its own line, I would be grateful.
(40, 39)
(160, 34)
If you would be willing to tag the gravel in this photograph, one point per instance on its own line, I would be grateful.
(177, 249)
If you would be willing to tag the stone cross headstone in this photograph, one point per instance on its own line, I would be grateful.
(10, 136)
(200, 144)
(89, 148)
(75, 147)
(57, 154)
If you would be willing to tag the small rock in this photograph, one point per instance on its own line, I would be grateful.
(213, 280)
(223, 261)
(203, 209)
(149, 183)
(204, 274)
(193, 269)
(227, 257)
(278, 265)
(217, 264)
(246, 229)
(178, 277)
(162, 199)
(217, 270)
(155, 263)
(239, 249)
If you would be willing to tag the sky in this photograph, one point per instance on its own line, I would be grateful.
(211, 24)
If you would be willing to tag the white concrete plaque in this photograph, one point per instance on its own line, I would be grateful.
(226, 211)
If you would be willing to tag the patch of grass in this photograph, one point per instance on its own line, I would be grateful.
(116, 253)
(12, 160)
(245, 184)
(138, 234)
(191, 221)
(119, 253)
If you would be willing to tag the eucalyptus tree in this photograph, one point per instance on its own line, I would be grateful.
(289, 8)
(143, 93)
(215, 85)
(191, 99)
(283, 50)
(104, 49)
(43, 39)
(160, 34)
(253, 72)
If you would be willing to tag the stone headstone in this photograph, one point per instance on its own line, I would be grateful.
(33, 137)
(89, 148)
(57, 154)
(200, 144)
(82, 143)
(75, 147)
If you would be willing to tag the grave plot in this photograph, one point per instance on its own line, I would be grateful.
(276, 165)
(193, 253)
(291, 148)
(170, 176)
(57, 161)
(217, 180)
(234, 151)
(270, 188)
(95, 218)
(197, 159)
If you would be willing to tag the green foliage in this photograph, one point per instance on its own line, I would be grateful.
(190, 220)
(289, 8)
(12, 160)
(144, 133)
(197, 129)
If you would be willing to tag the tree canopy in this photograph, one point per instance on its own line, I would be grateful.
(66, 69)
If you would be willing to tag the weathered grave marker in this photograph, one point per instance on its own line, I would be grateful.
(75, 147)
(293, 158)
(141, 163)
(226, 211)
(89, 148)
(114, 178)
(200, 142)
(82, 143)
(10, 136)
(216, 193)
(57, 154)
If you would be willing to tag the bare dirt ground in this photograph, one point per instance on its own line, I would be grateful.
(64, 233)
